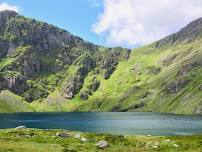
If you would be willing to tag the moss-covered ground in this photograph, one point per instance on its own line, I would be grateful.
(36, 140)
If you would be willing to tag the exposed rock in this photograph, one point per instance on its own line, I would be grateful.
(176, 86)
(200, 87)
(185, 69)
(153, 70)
(198, 110)
(138, 105)
(21, 127)
(62, 135)
(32, 48)
(189, 33)
(168, 61)
(102, 144)
(13, 81)
(77, 136)
(94, 85)
(84, 139)
(72, 87)
(175, 145)
(84, 95)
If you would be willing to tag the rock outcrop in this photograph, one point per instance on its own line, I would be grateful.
(32, 49)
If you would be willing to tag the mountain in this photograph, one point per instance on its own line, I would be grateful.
(45, 68)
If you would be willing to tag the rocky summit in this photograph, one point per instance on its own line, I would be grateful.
(45, 68)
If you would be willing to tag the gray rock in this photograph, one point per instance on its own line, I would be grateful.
(199, 110)
(176, 86)
(175, 145)
(77, 136)
(62, 135)
(84, 139)
(102, 144)
(21, 127)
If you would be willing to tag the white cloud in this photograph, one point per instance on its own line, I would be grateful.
(138, 22)
(5, 6)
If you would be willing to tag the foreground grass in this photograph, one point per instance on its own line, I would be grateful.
(35, 140)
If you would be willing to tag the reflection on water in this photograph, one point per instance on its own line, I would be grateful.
(108, 122)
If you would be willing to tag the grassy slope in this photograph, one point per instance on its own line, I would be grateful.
(137, 77)
(139, 80)
(32, 140)
(10, 102)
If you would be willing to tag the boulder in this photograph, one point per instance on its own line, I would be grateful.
(84, 139)
(175, 145)
(21, 127)
(102, 144)
(62, 135)
(77, 136)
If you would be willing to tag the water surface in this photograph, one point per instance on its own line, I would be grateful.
(133, 123)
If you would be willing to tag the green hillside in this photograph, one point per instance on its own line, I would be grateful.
(54, 70)
(9, 102)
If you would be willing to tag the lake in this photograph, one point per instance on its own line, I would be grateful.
(131, 123)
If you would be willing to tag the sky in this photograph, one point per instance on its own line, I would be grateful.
(127, 23)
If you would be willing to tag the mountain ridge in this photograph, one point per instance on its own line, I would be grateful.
(54, 70)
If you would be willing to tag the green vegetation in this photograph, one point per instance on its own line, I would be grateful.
(141, 83)
(9, 102)
(57, 71)
(23, 140)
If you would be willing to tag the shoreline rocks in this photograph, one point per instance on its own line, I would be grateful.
(102, 144)
(21, 127)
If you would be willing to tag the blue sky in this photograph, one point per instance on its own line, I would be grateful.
(76, 16)
(127, 23)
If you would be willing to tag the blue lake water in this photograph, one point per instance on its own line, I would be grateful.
(131, 123)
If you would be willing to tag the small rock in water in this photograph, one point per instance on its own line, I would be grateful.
(83, 139)
(77, 136)
(21, 127)
(102, 144)
(62, 135)
(175, 145)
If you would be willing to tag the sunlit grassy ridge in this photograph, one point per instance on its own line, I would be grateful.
(54, 70)
(10, 102)
(142, 80)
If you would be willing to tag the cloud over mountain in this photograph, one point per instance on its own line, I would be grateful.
(135, 22)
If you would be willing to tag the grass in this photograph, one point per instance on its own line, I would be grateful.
(141, 71)
(143, 79)
(9, 102)
(23, 140)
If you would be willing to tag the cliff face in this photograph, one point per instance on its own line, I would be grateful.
(57, 71)
(31, 51)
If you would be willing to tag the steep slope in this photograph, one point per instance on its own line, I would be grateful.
(57, 71)
(163, 77)
(37, 58)
(9, 102)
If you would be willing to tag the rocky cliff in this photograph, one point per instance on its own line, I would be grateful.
(31, 51)
(54, 70)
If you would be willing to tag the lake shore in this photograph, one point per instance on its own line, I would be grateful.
(41, 140)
